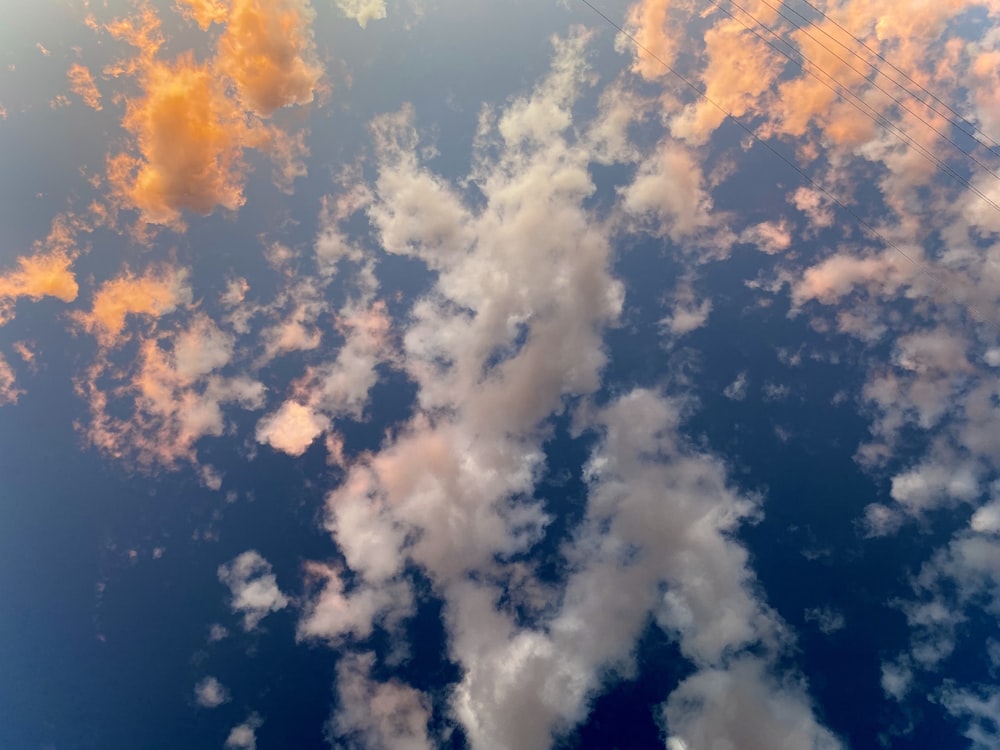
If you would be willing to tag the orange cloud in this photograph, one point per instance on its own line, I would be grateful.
(37, 276)
(192, 123)
(739, 72)
(156, 408)
(267, 50)
(82, 84)
(159, 291)
(658, 44)
(190, 138)
(205, 12)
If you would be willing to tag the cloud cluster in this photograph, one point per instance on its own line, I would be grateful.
(510, 333)
(196, 118)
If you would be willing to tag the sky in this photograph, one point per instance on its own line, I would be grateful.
(404, 374)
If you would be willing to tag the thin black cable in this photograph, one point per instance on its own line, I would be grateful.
(872, 113)
(993, 144)
(864, 75)
(922, 268)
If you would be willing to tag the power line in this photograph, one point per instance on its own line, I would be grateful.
(974, 130)
(922, 268)
(872, 113)
(930, 125)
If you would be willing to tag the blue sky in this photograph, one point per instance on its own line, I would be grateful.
(430, 374)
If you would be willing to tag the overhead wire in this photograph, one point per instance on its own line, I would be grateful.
(973, 132)
(874, 84)
(922, 267)
(857, 102)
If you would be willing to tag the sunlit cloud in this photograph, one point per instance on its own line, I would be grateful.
(82, 84)
(267, 50)
(38, 276)
(190, 129)
(363, 11)
(159, 290)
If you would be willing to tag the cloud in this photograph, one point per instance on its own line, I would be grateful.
(292, 428)
(9, 393)
(335, 614)
(254, 589)
(668, 194)
(191, 127)
(267, 50)
(737, 390)
(897, 679)
(244, 736)
(827, 619)
(370, 714)
(980, 708)
(745, 707)
(82, 84)
(38, 276)
(363, 11)
(171, 395)
(158, 291)
(190, 138)
(210, 693)
(688, 313)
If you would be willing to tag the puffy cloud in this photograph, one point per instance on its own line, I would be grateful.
(210, 693)
(292, 428)
(334, 614)
(740, 68)
(511, 328)
(9, 393)
(668, 193)
(82, 83)
(38, 276)
(190, 138)
(897, 679)
(244, 736)
(745, 707)
(362, 11)
(267, 50)
(688, 313)
(190, 130)
(160, 290)
(254, 589)
(388, 715)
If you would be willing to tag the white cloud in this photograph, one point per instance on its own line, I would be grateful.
(370, 714)
(334, 614)
(244, 736)
(744, 707)
(292, 428)
(897, 678)
(254, 588)
(980, 708)
(210, 693)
